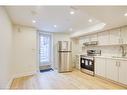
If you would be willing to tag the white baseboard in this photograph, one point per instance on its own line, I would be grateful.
(25, 74)
(10, 82)
(19, 75)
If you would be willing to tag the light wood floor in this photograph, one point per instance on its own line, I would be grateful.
(70, 80)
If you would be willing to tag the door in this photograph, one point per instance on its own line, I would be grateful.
(44, 49)
(100, 66)
(112, 69)
(123, 72)
(25, 50)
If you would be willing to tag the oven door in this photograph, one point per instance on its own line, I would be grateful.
(87, 64)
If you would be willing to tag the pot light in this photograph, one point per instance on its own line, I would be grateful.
(55, 26)
(34, 21)
(90, 20)
(70, 29)
(72, 12)
(125, 14)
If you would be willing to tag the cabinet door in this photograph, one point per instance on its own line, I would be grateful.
(124, 35)
(123, 72)
(84, 39)
(87, 38)
(100, 66)
(93, 37)
(114, 37)
(103, 38)
(111, 69)
(81, 41)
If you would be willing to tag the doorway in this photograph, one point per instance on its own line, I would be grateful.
(45, 51)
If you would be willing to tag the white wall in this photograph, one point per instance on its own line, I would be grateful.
(58, 37)
(75, 50)
(6, 38)
(25, 58)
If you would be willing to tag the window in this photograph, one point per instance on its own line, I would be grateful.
(44, 47)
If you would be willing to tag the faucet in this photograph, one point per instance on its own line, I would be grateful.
(123, 51)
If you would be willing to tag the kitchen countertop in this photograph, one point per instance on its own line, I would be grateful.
(113, 57)
(110, 57)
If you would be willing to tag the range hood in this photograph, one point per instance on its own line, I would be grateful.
(92, 43)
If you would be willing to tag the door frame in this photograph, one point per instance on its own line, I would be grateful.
(38, 46)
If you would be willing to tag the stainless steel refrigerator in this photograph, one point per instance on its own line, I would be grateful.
(64, 56)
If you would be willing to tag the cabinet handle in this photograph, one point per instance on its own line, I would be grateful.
(119, 41)
(116, 63)
(119, 64)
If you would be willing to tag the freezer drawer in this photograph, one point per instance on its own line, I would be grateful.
(65, 63)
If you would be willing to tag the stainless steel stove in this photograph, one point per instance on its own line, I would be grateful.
(87, 61)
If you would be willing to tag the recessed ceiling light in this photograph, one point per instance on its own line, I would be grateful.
(55, 26)
(70, 29)
(125, 14)
(72, 12)
(90, 20)
(34, 21)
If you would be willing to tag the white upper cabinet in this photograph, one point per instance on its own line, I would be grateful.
(114, 37)
(124, 35)
(111, 37)
(103, 38)
(93, 37)
(81, 41)
(86, 38)
(123, 72)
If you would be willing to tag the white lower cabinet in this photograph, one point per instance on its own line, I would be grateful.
(112, 69)
(123, 72)
(100, 65)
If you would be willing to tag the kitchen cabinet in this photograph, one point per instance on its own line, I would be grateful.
(100, 65)
(124, 35)
(81, 41)
(112, 69)
(117, 70)
(87, 39)
(114, 37)
(84, 39)
(93, 37)
(103, 38)
(123, 72)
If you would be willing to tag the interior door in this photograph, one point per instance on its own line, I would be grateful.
(44, 49)
(25, 50)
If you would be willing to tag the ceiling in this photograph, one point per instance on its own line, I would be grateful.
(48, 16)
